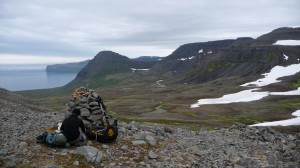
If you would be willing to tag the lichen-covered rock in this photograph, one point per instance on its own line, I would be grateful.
(91, 154)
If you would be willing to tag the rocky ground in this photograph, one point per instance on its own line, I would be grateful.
(139, 144)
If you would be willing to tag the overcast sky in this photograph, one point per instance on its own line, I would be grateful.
(48, 31)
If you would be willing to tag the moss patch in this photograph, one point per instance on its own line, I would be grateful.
(289, 103)
(218, 65)
(57, 108)
(296, 84)
(235, 119)
(270, 56)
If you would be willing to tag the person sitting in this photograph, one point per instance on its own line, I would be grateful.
(73, 128)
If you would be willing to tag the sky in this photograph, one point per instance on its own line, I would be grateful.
(53, 31)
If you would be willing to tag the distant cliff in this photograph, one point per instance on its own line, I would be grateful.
(66, 68)
(206, 61)
(106, 63)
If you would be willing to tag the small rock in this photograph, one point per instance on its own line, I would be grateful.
(291, 137)
(268, 137)
(51, 166)
(272, 159)
(3, 152)
(112, 164)
(168, 129)
(124, 147)
(150, 140)
(76, 163)
(89, 143)
(84, 112)
(23, 144)
(105, 146)
(93, 103)
(95, 95)
(152, 155)
(138, 142)
(238, 166)
(123, 130)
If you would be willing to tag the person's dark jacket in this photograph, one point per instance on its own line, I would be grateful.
(70, 127)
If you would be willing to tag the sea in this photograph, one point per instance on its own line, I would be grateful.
(30, 77)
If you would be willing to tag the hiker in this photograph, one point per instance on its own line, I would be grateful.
(73, 128)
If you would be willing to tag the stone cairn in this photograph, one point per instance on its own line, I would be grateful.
(90, 105)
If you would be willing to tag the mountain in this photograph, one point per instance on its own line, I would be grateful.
(199, 62)
(69, 67)
(284, 33)
(202, 62)
(106, 63)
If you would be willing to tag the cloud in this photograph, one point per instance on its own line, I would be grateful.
(74, 28)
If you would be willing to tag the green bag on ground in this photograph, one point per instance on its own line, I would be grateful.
(59, 139)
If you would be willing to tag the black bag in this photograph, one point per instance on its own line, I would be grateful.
(103, 133)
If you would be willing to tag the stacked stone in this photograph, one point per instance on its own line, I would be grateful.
(88, 102)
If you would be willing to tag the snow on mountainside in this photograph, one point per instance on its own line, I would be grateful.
(287, 42)
(254, 94)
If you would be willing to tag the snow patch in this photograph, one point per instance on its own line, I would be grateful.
(287, 42)
(292, 121)
(285, 57)
(275, 73)
(183, 59)
(133, 69)
(242, 96)
(200, 51)
(209, 52)
(158, 83)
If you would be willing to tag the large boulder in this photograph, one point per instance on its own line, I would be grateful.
(91, 154)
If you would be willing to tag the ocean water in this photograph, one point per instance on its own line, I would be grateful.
(31, 77)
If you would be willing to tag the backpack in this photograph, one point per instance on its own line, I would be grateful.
(103, 133)
(59, 139)
(56, 139)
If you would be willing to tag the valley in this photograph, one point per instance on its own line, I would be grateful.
(193, 71)
(139, 96)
